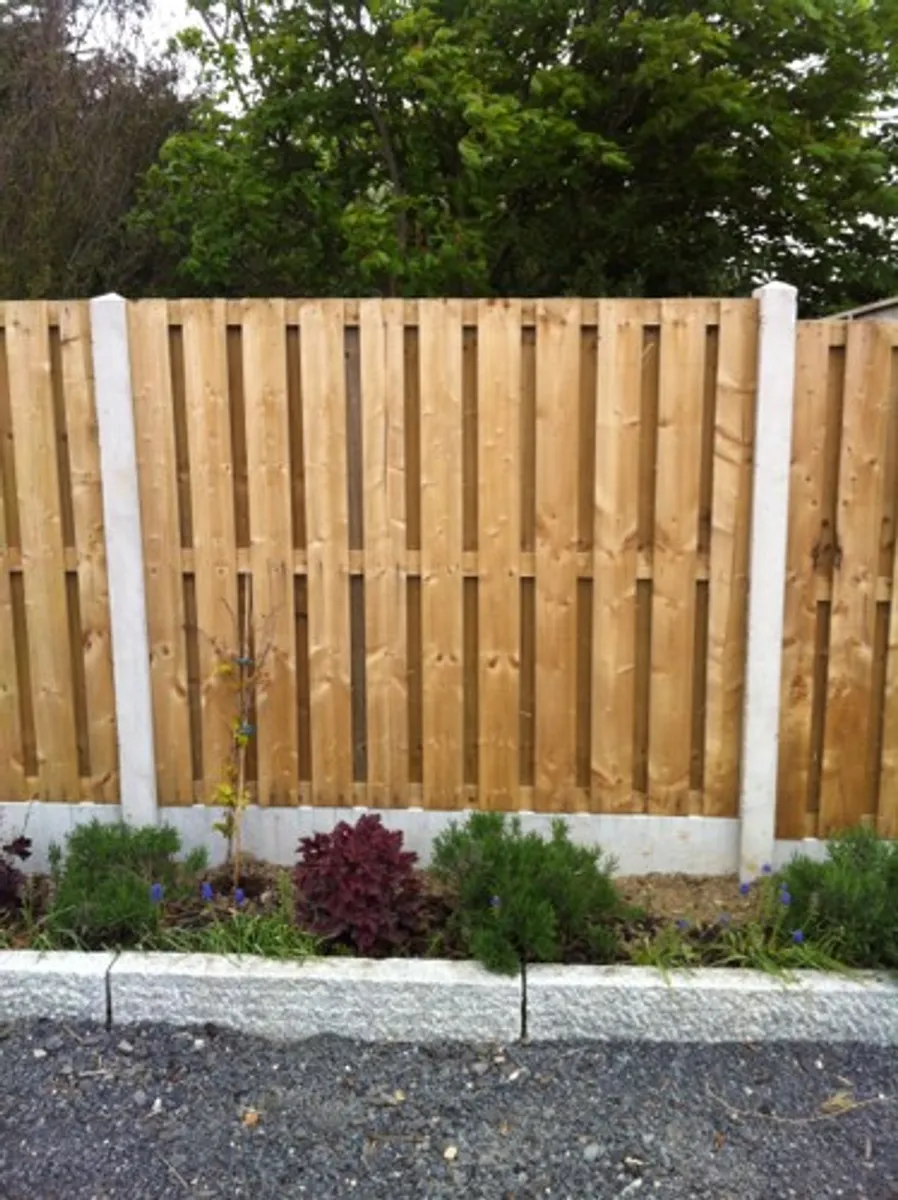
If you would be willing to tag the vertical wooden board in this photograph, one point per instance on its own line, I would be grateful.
(93, 588)
(214, 536)
(154, 421)
(675, 554)
(12, 768)
(499, 541)
(43, 562)
(382, 336)
(557, 424)
(327, 525)
(800, 616)
(440, 359)
(271, 546)
(846, 788)
(615, 517)
(730, 532)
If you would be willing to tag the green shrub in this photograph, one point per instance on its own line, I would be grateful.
(111, 882)
(849, 902)
(520, 898)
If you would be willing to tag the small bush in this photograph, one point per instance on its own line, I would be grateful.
(520, 898)
(12, 880)
(849, 902)
(111, 884)
(357, 887)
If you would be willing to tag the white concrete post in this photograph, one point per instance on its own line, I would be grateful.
(124, 559)
(767, 574)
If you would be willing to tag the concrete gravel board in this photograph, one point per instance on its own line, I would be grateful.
(53, 985)
(708, 1005)
(387, 1000)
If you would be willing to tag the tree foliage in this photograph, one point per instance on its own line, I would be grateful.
(531, 147)
(80, 125)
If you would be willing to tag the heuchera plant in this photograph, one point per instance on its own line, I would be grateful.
(11, 878)
(357, 886)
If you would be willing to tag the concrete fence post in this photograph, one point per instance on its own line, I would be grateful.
(124, 559)
(767, 574)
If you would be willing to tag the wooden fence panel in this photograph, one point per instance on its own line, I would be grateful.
(101, 751)
(616, 515)
(154, 421)
(210, 456)
(273, 620)
(557, 427)
(440, 333)
(382, 350)
(499, 552)
(728, 567)
(675, 559)
(327, 524)
(846, 785)
(12, 757)
(43, 551)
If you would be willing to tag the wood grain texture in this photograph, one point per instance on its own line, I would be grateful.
(846, 787)
(675, 558)
(327, 526)
(382, 349)
(154, 423)
(805, 534)
(557, 423)
(214, 536)
(43, 559)
(12, 767)
(271, 547)
(616, 514)
(93, 589)
(499, 540)
(440, 358)
(728, 570)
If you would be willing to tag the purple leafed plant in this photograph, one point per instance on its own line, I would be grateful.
(358, 887)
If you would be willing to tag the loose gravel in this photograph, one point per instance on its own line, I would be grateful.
(152, 1113)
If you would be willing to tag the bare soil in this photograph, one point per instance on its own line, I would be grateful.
(700, 899)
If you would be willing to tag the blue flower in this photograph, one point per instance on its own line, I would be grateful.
(156, 893)
(798, 937)
(206, 891)
(744, 889)
(785, 898)
(682, 924)
(247, 730)
(495, 901)
(239, 897)
(766, 869)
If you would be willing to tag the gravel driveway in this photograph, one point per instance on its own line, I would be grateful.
(155, 1113)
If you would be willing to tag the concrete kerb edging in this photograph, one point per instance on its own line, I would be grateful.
(425, 1000)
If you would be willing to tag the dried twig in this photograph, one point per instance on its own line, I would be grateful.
(837, 1105)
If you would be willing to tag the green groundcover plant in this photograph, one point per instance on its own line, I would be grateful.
(110, 881)
(519, 897)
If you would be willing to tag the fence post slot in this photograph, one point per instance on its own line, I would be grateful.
(124, 559)
(767, 574)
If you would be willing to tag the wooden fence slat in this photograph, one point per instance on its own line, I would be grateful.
(557, 426)
(214, 538)
(93, 588)
(887, 810)
(675, 555)
(800, 617)
(12, 768)
(728, 584)
(43, 559)
(327, 523)
(616, 516)
(440, 357)
(271, 554)
(382, 349)
(846, 789)
(499, 542)
(154, 420)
